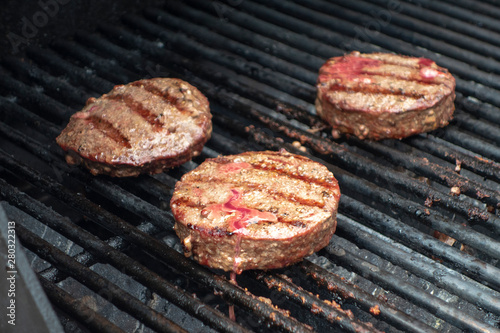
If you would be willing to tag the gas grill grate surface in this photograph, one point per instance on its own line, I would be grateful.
(418, 241)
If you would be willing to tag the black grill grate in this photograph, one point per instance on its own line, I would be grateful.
(105, 251)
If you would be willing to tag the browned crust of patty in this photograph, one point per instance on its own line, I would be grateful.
(145, 126)
(382, 95)
(219, 253)
(302, 194)
(377, 126)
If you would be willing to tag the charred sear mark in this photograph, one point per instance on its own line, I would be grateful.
(188, 202)
(272, 193)
(140, 109)
(375, 89)
(107, 128)
(164, 94)
(324, 182)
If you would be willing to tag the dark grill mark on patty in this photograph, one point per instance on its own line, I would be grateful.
(140, 109)
(362, 86)
(412, 78)
(187, 202)
(272, 168)
(255, 186)
(164, 94)
(146, 133)
(373, 70)
(261, 209)
(378, 96)
(225, 179)
(107, 128)
(367, 89)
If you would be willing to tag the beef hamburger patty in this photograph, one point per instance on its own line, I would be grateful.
(255, 210)
(383, 95)
(142, 127)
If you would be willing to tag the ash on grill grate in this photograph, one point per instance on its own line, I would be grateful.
(257, 63)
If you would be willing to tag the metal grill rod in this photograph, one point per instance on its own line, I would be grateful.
(426, 268)
(453, 9)
(55, 87)
(391, 226)
(366, 301)
(74, 231)
(436, 172)
(229, 32)
(11, 110)
(450, 152)
(453, 282)
(106, 253)
(321, 308)
(472, 143)
(255, 24)
(339, 252)
(403, 27)
(313, 31)
(78, 309)
(75, 73)
(106, 67)
(94, 281)
(318, 17)
(53, 275)
(477, 186)
(34, 98)
(331, 281)
(170, 256)
(420, 11)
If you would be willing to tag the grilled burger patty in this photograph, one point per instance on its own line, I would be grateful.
(255, 210)
(383, 95)
(142, 127)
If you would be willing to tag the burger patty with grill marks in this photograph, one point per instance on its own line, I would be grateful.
(142, 127)
(382, 95)
(255, 210)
